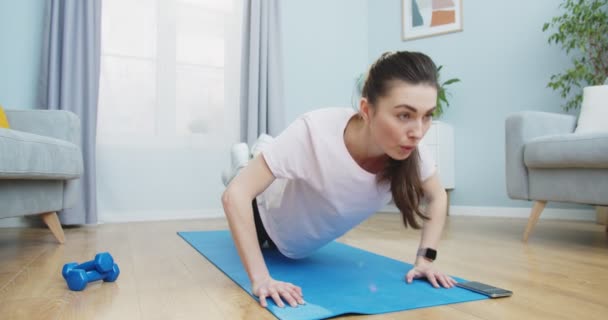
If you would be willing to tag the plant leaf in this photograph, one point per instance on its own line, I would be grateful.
(451, 81)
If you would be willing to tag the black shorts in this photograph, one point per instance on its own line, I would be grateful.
(263, 238)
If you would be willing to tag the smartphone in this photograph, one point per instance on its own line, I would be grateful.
(492, 292)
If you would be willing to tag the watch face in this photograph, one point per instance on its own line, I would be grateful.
(431, 254)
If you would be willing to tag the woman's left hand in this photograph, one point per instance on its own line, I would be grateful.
(424, 269)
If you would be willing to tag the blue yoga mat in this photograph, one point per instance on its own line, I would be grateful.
(337, 279)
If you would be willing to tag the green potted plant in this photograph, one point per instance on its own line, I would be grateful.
(442, 93)
(582, 31)
(442, 99)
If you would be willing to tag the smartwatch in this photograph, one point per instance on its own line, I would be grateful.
(427, 253)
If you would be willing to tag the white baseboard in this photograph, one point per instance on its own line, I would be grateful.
(514, 212)
(122, 216)
(119, 216)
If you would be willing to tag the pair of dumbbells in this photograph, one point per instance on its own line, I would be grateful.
(102, 267)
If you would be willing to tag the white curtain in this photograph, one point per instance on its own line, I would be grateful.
(168, 107)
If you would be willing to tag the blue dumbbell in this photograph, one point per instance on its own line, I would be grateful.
(102, 263)
(78, 279)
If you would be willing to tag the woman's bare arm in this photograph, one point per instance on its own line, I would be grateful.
(436, 209)
(251, 181)
(436, 198)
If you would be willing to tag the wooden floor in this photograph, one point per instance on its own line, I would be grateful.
(562, 273)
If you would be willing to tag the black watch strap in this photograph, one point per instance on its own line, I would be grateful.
(428, 253)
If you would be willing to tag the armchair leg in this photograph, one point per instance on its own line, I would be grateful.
(537, 209)
(52, 221)
(602, 215)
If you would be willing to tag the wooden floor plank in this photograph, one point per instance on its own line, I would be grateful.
(559, 274)
(33, 308)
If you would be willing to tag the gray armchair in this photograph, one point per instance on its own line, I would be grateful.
(547, 161)
(40, 163)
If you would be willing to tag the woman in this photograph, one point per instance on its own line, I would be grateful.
(333, 168)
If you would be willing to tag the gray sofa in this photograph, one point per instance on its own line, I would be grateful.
(40, 164)
(547, 161)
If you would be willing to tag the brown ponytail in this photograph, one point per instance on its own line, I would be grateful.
(406, 187)
(403, 175)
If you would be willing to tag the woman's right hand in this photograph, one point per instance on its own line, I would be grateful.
(278, 291)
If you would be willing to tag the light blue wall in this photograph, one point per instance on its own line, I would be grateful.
(21, 24)
(504, 62)
(325, 47)
(502, 58)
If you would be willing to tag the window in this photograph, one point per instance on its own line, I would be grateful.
(166, 66)
(165, 120)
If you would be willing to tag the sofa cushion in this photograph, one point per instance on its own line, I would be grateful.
(594, 110)
(577, 150)
(30, 156)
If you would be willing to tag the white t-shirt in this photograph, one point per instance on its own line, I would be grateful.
(320, 192)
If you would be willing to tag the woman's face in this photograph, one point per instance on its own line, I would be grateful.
(401, 118)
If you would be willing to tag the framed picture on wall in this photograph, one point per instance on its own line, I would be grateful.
(426, 18)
